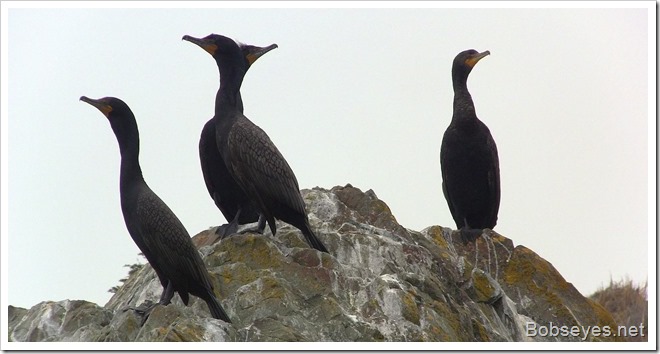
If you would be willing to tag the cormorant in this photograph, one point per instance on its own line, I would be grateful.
(251, 157)
(155, 229)
(227, 195)
(468, 157)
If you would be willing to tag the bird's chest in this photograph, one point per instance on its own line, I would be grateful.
(465, 144)
(129, 208)
(466, 159)
(223, 128)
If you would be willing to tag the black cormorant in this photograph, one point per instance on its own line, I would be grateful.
(251, 157)
(468, 156)
(155, 229)
(226, 194)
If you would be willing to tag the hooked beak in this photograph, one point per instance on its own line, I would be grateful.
(209, 47)
(254, 53)
(100, 105)
(471, 62)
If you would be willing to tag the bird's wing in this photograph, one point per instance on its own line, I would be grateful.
(447, 179)
(207, 146)
(214, 171)
(493, 180)
(260, 168)
(168, 242)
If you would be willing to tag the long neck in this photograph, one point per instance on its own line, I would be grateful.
(129, 148)
(229, 96)
(223, 99)
(463, 104)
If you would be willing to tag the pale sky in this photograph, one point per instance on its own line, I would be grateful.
(358, 96)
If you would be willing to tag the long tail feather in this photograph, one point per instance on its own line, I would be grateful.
(216, 310)
(314, 241)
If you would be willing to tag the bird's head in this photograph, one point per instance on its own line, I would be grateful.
(119, 115)
(111, 107)
(465, 61)
(224, 49)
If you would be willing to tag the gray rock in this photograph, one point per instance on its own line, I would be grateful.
(380, 282)
(67, 320)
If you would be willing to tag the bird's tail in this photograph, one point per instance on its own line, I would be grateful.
(312, 240)
(216, 310)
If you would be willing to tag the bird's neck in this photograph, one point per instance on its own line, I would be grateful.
(463, 104)
(227, 100)
(229, 96)
(129, 148)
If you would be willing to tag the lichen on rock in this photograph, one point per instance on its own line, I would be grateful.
(380, 282)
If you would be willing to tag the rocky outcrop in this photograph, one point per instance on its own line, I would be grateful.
(380, 282)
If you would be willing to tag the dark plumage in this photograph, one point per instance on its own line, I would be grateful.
(153, 226)
(468, 156)
(226, 194)
(222, 188)
(251, 157)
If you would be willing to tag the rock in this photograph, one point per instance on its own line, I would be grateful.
(380, 282)
(68, 320)
(484, 288)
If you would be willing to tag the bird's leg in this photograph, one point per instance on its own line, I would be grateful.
(168, 294)
(228, 229)
(144, 310)
(469, 234)
(261, 225)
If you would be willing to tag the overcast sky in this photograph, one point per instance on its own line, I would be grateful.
(358, 96)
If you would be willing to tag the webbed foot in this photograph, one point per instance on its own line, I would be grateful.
(143, 311)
